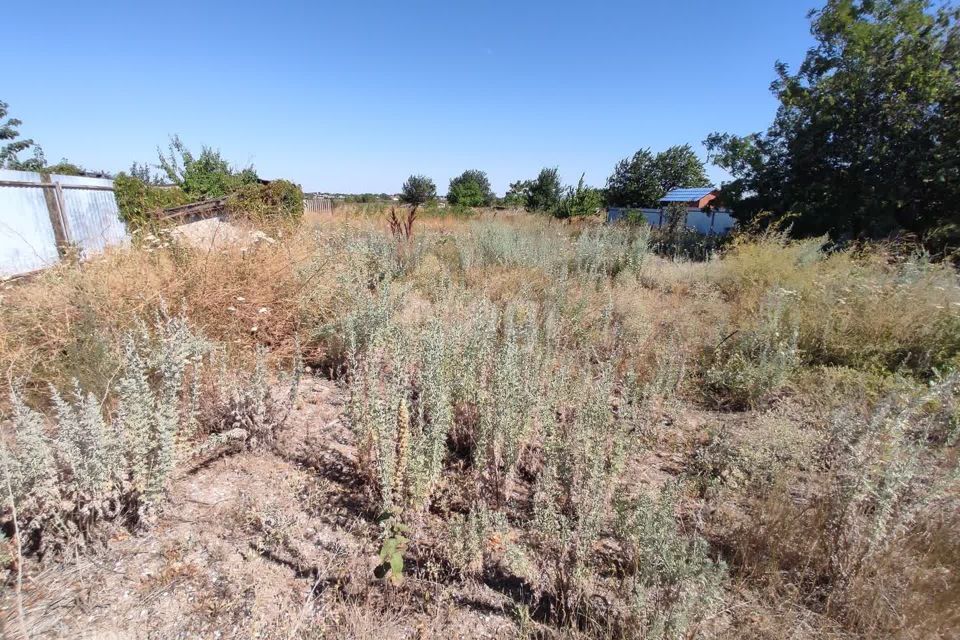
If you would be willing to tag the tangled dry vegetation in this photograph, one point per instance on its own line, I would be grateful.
(507, 427)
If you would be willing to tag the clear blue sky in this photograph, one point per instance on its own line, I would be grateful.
(355, 96)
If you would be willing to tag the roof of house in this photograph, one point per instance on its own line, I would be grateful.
(687, 194)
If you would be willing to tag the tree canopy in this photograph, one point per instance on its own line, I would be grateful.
(543, 193)
(470, 189)
(418, 190)
(208, 175)
(581, 200)
(11, 145)
(866, 140)
(644, 178)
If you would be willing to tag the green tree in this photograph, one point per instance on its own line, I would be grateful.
(205, 176)
(579, 201)
(866, 140)
(644, 178)
(544, 193)
(518, 193)
(634, 182)
(470, 189)
(144, 173)
(418, 190)
(11, 145)
(677, 167)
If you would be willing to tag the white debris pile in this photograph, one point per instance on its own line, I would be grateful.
(214, 233)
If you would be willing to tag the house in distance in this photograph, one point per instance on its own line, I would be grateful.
(694, 198)
(703, 216)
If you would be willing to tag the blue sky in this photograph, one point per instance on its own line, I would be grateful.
(355, 96)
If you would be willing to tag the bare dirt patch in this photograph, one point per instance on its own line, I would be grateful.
(256, 544)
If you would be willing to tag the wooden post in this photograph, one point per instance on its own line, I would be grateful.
(54, 200)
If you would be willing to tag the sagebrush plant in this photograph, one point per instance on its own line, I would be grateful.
(672, 581)
(248, 401)
(509, 394)
(375, 402)
(519, 390)
(753, 361)
(584, 449)
(606, 251)
(844, 546)
(487, 369)
(879, 479)
(474, 538)
(863, 309)
(87, 463)
(85, 467)
(598, 252)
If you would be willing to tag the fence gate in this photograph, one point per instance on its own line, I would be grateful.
(317, 205)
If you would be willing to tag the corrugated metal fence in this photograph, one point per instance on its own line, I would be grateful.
(42, 217)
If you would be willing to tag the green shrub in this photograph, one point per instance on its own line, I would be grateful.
(138, 201)
(276, 200)
(579, 201)
(757, 359)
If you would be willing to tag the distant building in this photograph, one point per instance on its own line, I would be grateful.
(703, 216)
(694, 198)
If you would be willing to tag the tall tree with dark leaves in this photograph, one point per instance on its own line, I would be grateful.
(470, 189)
(418, 190)
(866, 141)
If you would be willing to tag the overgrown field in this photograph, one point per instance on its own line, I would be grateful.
(499, 427)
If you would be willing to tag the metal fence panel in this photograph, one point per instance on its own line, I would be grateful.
(92, 217)
(27, 242)
(91, 220)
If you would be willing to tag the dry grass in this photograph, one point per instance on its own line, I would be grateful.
(599, 440)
